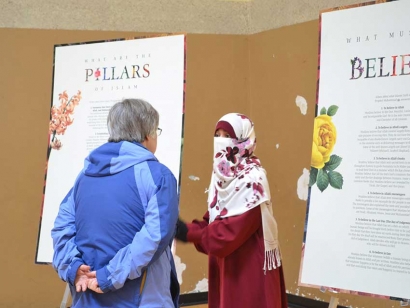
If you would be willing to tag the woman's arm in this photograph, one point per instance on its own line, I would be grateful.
(224, 236)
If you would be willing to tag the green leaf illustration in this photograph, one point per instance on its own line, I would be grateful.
(333, 162)
(323, 111)
(335, 179)
(322, 180)
(313, 176)
(332, 110)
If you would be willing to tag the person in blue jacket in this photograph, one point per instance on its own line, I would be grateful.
(114, 228)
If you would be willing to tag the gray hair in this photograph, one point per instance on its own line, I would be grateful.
(132, 120)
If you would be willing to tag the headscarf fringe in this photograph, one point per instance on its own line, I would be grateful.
(272, 260)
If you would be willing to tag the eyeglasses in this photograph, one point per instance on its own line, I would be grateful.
(159, 131)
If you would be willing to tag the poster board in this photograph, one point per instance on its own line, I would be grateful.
(357, 235)
(88, 79)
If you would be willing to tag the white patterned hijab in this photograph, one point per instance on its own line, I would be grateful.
(239, 183)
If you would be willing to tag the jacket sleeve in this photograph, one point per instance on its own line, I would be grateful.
(149, 243)
(66, 258)
(223, 236)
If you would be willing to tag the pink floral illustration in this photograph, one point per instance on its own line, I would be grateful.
(242, 147)
(56, 144)
(61, 118)
(224, 212)
(223, 167)
(230, 154)
(253, 160)
(258, 189)
(214, 201)
(244, 117)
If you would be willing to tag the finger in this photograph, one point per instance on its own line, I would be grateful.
(84, 268)
(92, 274)
(98, 289)
(93, 284)
(78, 287)
(84, 286)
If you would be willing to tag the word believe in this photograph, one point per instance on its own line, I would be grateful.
(398, 65)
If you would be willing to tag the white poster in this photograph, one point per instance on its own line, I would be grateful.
(88, 79)
(358, 226)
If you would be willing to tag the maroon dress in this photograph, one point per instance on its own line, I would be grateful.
(235, 247)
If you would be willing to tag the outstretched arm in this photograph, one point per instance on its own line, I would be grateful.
(223, 236)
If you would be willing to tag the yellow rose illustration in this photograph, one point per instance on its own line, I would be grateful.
(323, 163)
(324, 139)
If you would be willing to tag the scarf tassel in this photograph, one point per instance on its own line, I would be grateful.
(272, 259)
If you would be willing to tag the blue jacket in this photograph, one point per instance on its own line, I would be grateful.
(119, 218)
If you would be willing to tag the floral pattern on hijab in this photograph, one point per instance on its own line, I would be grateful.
(236, 184)
(239, 183)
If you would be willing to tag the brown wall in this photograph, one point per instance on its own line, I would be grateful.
(259, 75)
(217, 83)
(284, 65)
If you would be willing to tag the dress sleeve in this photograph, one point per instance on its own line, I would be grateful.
(195, 229)
(223, 236)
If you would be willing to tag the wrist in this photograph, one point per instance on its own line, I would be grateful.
(72, 271)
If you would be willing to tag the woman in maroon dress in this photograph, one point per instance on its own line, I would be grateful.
(238, 232)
